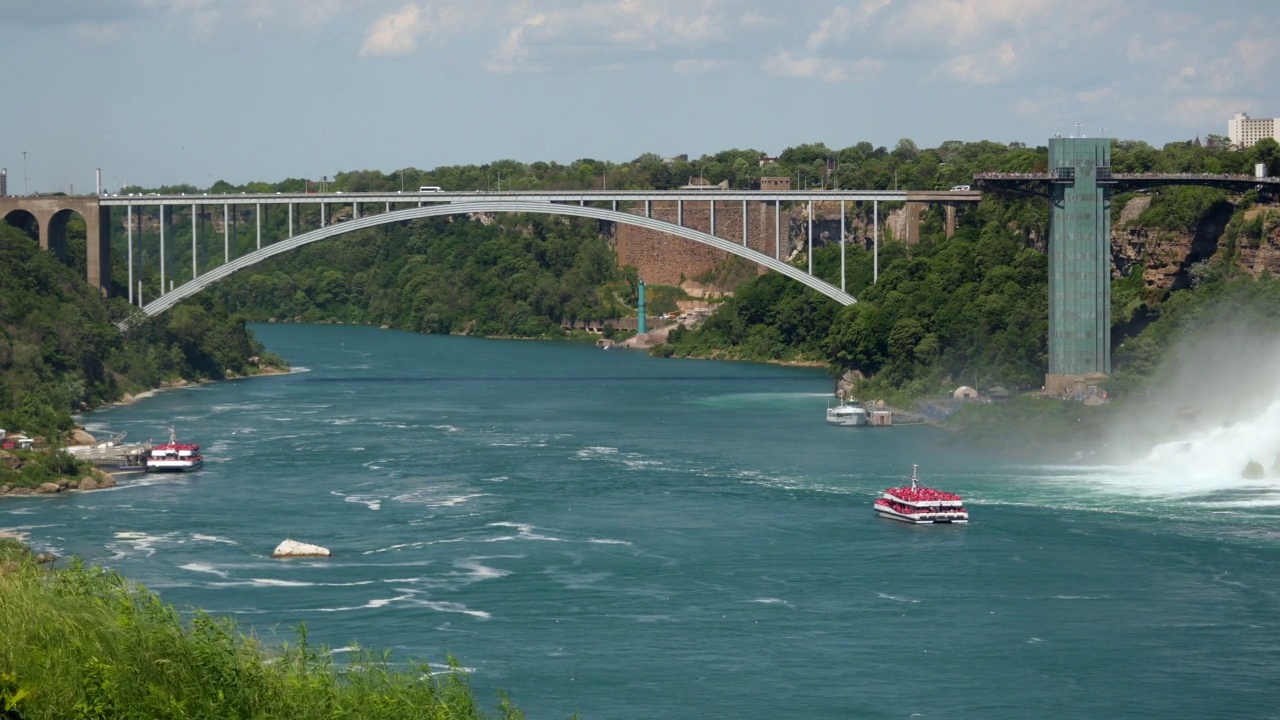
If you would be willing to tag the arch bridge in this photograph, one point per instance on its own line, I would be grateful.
(368, 210)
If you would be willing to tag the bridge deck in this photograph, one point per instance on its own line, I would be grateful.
(1131, 181)
(575, 196)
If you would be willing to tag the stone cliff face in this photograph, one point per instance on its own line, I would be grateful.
(664, 260)
(1164, 256)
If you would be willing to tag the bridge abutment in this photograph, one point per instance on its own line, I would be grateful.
(52, 214)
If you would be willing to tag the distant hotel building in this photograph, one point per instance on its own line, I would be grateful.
(1245, 131)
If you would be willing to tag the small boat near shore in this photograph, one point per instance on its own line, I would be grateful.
(174, 456)
(847, 415)
(920, 505)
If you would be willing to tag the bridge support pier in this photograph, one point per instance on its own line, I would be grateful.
(914, 210)
(949, 223)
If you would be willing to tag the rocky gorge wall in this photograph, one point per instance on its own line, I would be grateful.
(1165, 256)
(665, 260)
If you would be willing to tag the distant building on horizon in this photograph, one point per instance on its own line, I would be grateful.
(1245, 131)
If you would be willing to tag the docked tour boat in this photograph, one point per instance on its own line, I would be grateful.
(174, 456)
(847, 415)
(920, 505)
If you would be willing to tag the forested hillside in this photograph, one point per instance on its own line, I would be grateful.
(60, 351)
(512, 276)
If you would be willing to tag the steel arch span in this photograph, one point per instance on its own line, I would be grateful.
(168, 300)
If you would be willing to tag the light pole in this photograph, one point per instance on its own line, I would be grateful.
(24, 172)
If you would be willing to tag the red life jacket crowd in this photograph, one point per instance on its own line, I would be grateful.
(916, 494)
(910, 510)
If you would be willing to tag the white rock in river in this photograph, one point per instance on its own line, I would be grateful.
(293, 548)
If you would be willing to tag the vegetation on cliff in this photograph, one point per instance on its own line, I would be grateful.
(84, 643)
(60, 351)
(516, 276)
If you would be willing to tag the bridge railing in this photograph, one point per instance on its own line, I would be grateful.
(1107, 174)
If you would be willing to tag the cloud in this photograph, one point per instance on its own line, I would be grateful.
(611, 34)
(202, 15)
(304, 13)
(980, 68)
(398, 33)
(1208, 110)
(103, 33)
(783, 64)
(836, 27)
(63, 12)
(697, 66)
(394, 34)
(513, 54)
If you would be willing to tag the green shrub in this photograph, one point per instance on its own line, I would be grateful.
(84, 643)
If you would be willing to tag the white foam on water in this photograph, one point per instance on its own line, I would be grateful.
(369, 501)
(273, 582)
(595, 451)
(139, 542)
(221, 408)
(203, 568)
(452, 607)
(607, 541)
(477, 570)
(446, 428)
(640, 464)
(896, 598)
(769, 601)
(1206, 462)
(454, 501)
(371, 605)
(441, 667)
(525, 532)
(213, 539)
(415, 545)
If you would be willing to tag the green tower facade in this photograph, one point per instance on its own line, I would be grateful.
(1079, 258)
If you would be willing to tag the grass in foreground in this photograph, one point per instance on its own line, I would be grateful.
(82, 642)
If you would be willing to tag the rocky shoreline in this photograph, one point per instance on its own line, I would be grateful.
(263, 371)
(95, 480)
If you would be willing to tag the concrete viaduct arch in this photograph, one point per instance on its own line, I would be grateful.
(168, 300)
(51, 215)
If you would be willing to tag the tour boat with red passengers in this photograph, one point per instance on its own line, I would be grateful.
(920, 505)
(174, 456)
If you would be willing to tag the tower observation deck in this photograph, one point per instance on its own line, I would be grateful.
(1079, 258)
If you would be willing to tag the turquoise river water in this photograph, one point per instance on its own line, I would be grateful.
(630, 537)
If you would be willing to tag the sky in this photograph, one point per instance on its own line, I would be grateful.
(170, 91)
